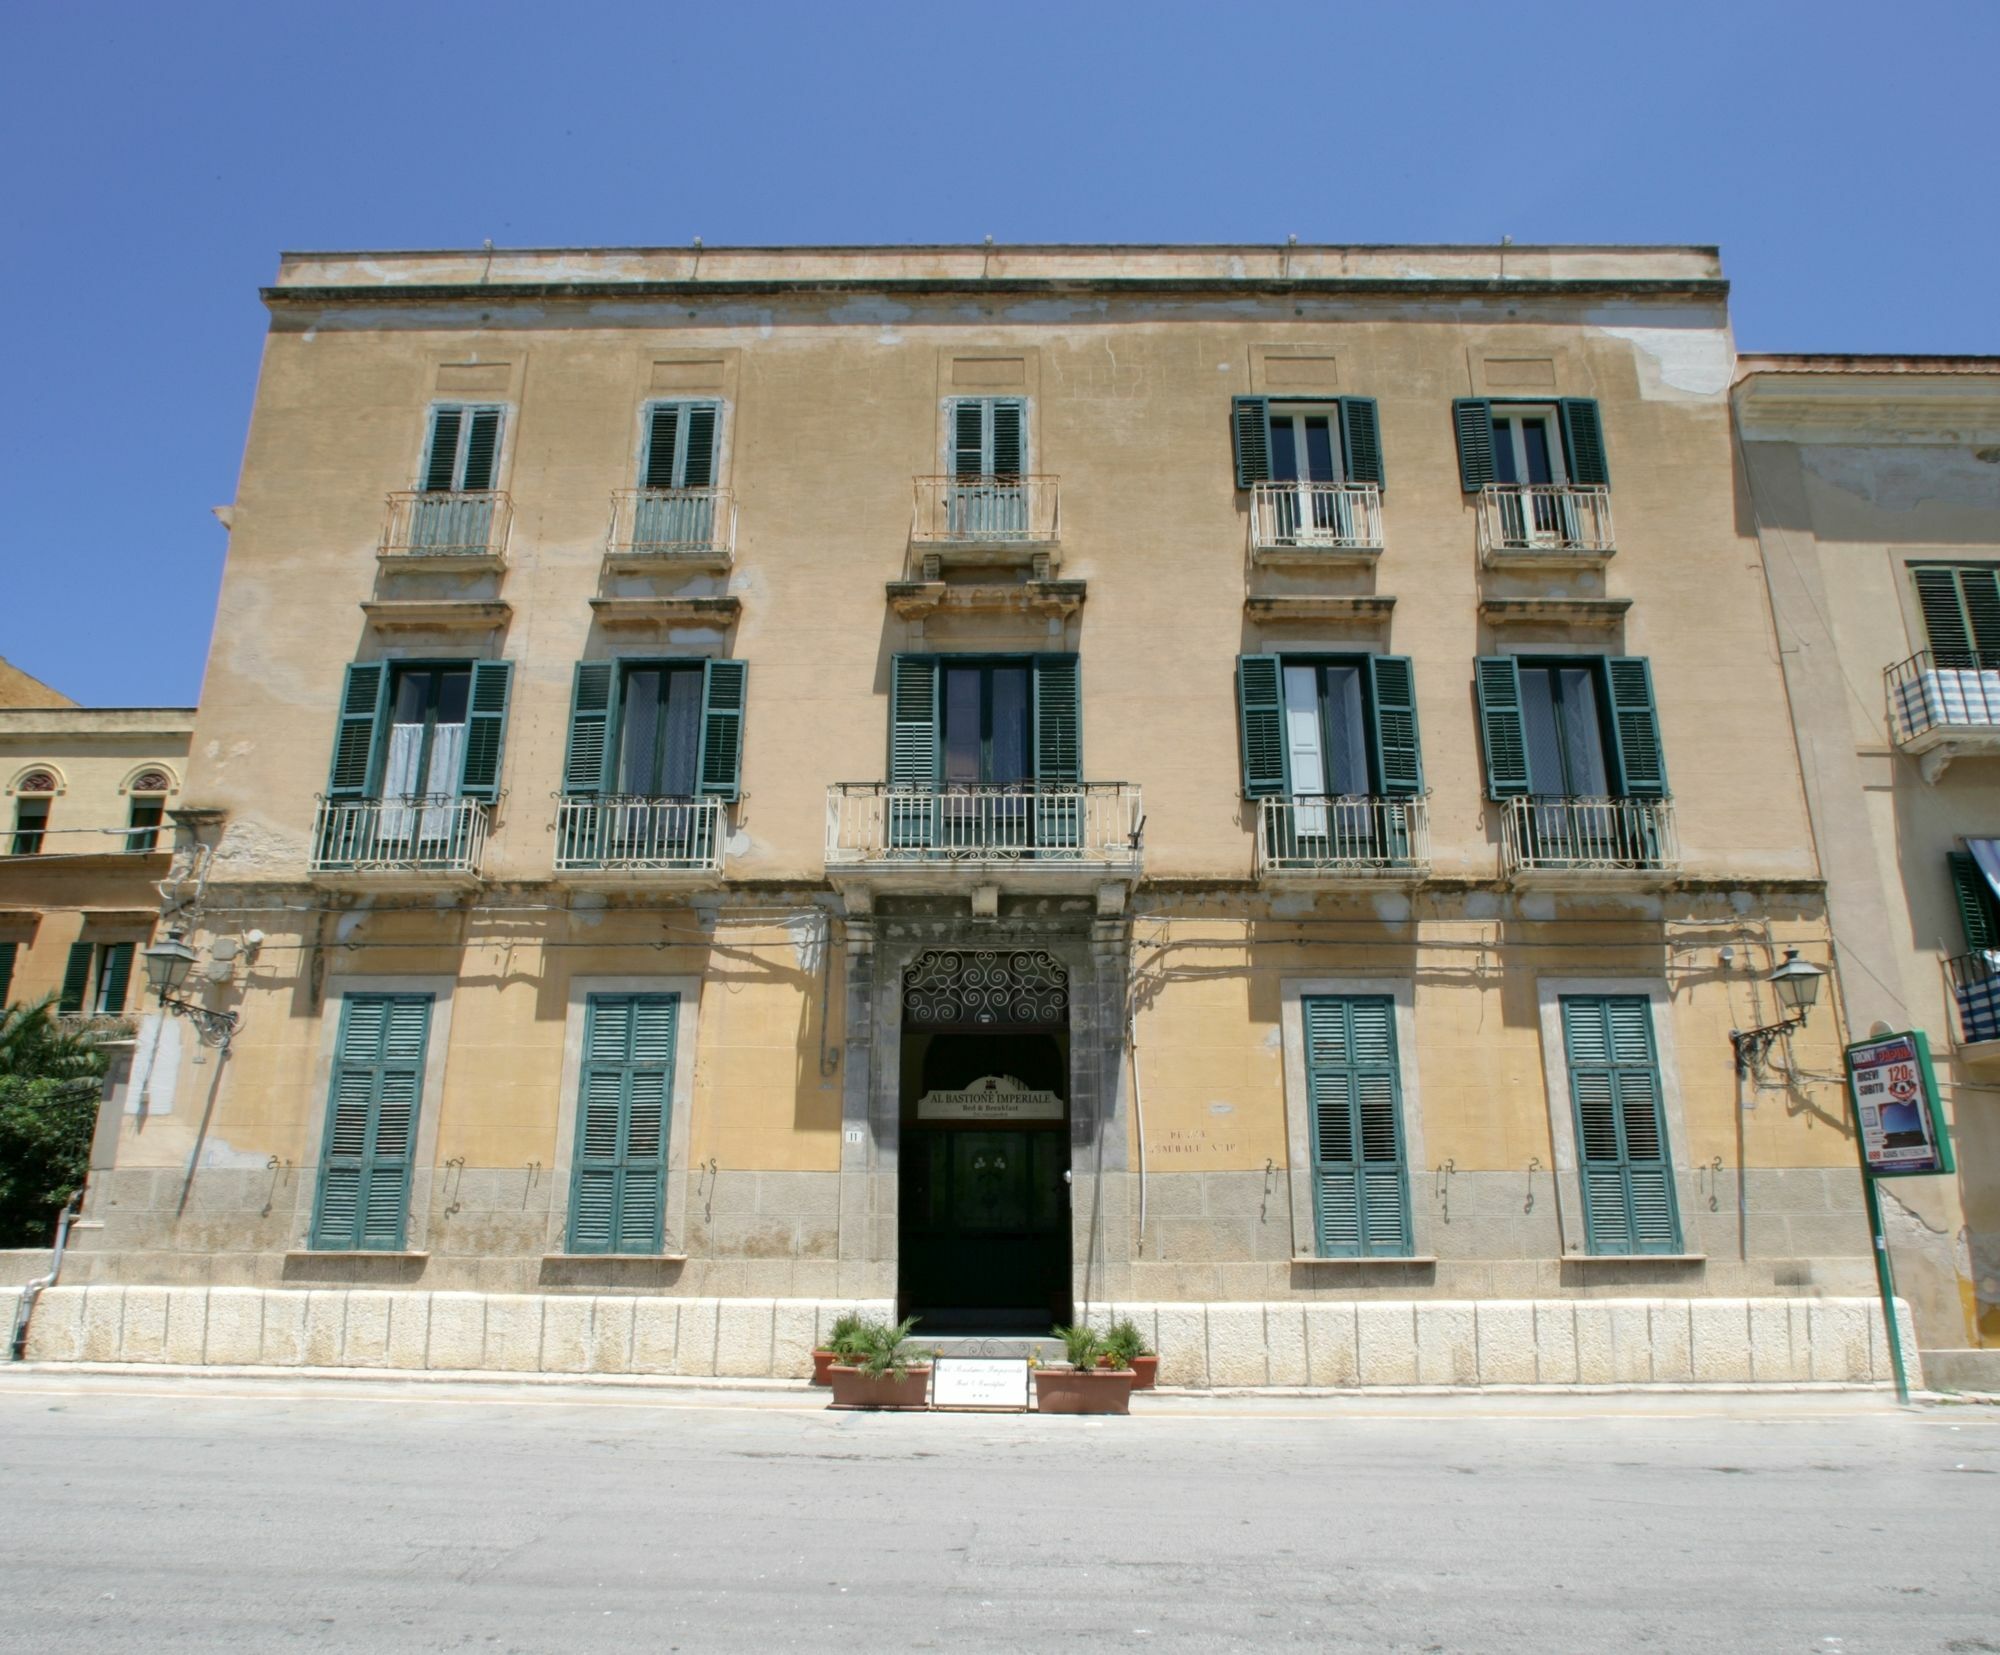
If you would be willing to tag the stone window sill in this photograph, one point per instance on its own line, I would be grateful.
(614, 1258)
(317, 1255)
(1635, 1258)
(1364, 1263)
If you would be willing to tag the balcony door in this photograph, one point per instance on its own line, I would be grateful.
(424, 756)
(1305, 450)
(454, 512)
(1569, 760)
(988, 501)
(1326, 741)
(659, 763)
(1528, 455)
(988, 753)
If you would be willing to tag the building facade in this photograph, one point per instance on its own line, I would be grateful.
(1876, 488)
(1245, 786)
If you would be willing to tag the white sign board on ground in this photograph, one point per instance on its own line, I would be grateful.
(980, 1382)
(998, 1098)
(1895, 1100)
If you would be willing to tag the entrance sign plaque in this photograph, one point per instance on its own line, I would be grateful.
(999, 1383)
(990, 1098)
(1896, 1103)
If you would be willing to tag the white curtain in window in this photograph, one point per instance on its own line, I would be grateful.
(1986, 852)
(1308, 755)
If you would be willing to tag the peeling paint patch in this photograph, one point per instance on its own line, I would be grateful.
(1391, 907)
(1905, 478)
(1679, 363)
(345, 927)
(219, 1152)
(1482, 905)
(1537, 905)
(1298, 906)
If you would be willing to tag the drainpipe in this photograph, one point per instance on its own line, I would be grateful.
(33, 1290)
(1138, 1116)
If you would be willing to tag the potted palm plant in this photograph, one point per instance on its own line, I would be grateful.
(842, 1345)
(1083, 1387)
(1123, 1339)
(883, 1369)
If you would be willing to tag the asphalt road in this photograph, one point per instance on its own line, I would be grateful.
(142, 1513)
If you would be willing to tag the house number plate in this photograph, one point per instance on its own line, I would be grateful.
(980, 1382)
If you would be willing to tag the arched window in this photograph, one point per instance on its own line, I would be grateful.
(149, 792)
(37, 781)
(33, 794)
(151, 781)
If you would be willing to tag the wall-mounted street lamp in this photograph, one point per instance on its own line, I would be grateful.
(167, 966)
(1796, 985)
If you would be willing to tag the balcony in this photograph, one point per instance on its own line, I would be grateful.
(999, 519)
(100, 1028)
(1544, 523)
(1974, 980)
(1590, 844)
(627, 840)
(431, 840)
(1943, 707)
(1315, 522)
(1324, 842)
(1025, 838)
(666, 529)
(447, 530)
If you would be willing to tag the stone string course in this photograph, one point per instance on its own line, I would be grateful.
(1283, 1344)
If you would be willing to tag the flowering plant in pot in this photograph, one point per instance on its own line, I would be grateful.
(1122, 1339)
(842, 1344)
(883, 1371)
(1083, 1387)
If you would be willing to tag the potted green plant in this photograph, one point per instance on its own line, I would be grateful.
(1082, 1387)
(1124, 1339)
(883, 1371)
(842, 1344)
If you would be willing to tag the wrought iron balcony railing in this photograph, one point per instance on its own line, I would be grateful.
(1093, 824)
(1343, 517)
(986, 511)
(1548, 519)
(102, 1028)
(1975, 993)
(419, 833)
(603, 833)
(436, 523)
(673, 523)
(1550, 834)
(1354, 837)
(1939, 693)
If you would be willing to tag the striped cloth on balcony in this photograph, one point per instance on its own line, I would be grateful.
(1949, 695)
(1979, 1003)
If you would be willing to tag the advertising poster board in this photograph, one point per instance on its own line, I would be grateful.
(1894, 1089)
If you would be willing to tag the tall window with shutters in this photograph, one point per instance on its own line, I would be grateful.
(1361, 1198)
(1314, 469)
(675, 509)
(453, 511)
(1975, 974)
(363, 1199)
(8, 951)
(1330, 744)
(624, 1105)
(655, 747)
(97, 978)
(1961, 610)
(988, 442)
(1540, 470)
(1623, 1164)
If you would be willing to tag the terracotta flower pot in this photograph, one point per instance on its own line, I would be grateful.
(854, 1389)
(1083, 1390)
(822, 1362)
(1145, 1372)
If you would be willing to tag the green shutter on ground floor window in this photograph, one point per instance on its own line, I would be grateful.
(724, 690)
(1260, 706)
(1623, 1163)
(364, 696)
(1635, 727)
(7, 952)
(1361, 1206)
(114, 975)
(1392, 703)
(363, 1198)
(1502, 727)
(1583, 442)
(1250, 425)
(1977, 909)
(485, 730)
(1472, 418)
(587, 766)
(624, 1104)
(1361, 440)
(76, 977)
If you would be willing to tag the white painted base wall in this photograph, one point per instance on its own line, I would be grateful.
(1288, 1344)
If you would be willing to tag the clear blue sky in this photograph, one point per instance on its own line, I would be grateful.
(158, 158)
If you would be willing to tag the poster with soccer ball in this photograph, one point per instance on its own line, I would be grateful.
(1895, 1096)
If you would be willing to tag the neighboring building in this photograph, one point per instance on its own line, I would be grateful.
(85, 839)
(1004, 782)
(17, 689)
(1875, 483)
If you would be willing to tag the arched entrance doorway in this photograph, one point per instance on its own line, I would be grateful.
(983, 1227)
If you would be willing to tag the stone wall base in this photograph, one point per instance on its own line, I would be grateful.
(1655, 1341)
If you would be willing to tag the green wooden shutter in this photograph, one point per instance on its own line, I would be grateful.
(1473, 418)
(114, 976)
(76, 977)
(1250, 419)
(1392, 702)
(618, 1183)
(723, 692)
(1260, 707)
(1977, 908)
(1058, 711)
(1361, 440)
(1635, 726)
(364, 699)
(587, 760)
(1583, 441)
(968, 438)
(916, 749)
(363, 1199)
(1361, 1206)
(7, 952)
(1981, 590)
(698, 463)
(1961, 608)
(1502, 728)
(1623, 1163)
(482, 450)
(1007, 451)
(485, 730)
(441, 458)
(662, 446)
